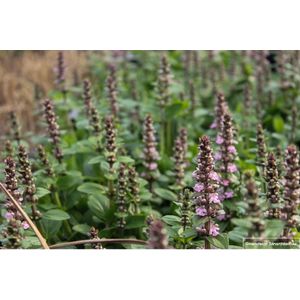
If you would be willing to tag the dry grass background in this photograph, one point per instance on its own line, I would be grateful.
(23, 73)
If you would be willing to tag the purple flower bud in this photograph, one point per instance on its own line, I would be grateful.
(214, 176)
(201, 211)
(225, 182)
(214, 198)
(219, 140)
(228, 194)
(198, 187)
(9, 215)
(231, 149)
(25, 225)
(152, 166)
(218, 156)
(214, 229)
(232, 168)
(213, 125)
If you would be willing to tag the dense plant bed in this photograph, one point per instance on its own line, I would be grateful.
(177, 149)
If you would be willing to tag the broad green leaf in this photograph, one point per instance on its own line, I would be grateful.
(96, 208)
(82, 228)
(90, 188)
(171, 220)
(125, 159)
(278, 124)
(56, 215)
(41, 192)
(96, 160)
(242, 223)
(176, 108)
(135, 222)
(165, 194)
(69, 180)
(273, 229)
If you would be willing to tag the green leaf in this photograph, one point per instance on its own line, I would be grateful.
(96, 160)
(125, 159)
(135, 222)
(165, 194)
(90, 188)
(31, 242)
(56, 215)
(278, 124)
(98, 204)
(242, 223)
(41, 192)
(171, 220)
(69, 180)
(273, 229)
(176, 108)
(82, 228)
(238, 234)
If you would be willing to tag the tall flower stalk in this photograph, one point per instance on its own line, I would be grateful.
(112, 91)
(150, 153)
(163, 95)
(60, 73)
(226, 157)
(45, 161)
(207, 201)
(133, 190)
(29, 194)
(92, 112)
(110, 150)
(9, 149)
(254, 210)
(273, 188)
(291, 191)
(179, 162)
(87, 97)
(121, 197)
(220, 109)
(158, 238)
(185, 208)
(15, 127)
(192, 97)
(261, 147)
(13, 232)
(53, 129)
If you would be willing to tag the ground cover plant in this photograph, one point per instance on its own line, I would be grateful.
(158, 150)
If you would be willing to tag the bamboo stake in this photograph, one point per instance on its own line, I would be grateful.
(25, 216)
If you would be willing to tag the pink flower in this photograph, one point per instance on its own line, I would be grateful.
(198, 187)
(152, 166)
(213, 125)
(226, 182)
(214, 229)
(195, 174)
(214, 176)
(9, 215)
(232, 168)
(231, 149)
(214, 198)
(219, 140)
(221, 197)
(228, 194)
(221, 217)
(201, 211)
(25, 225)
(218, 156)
